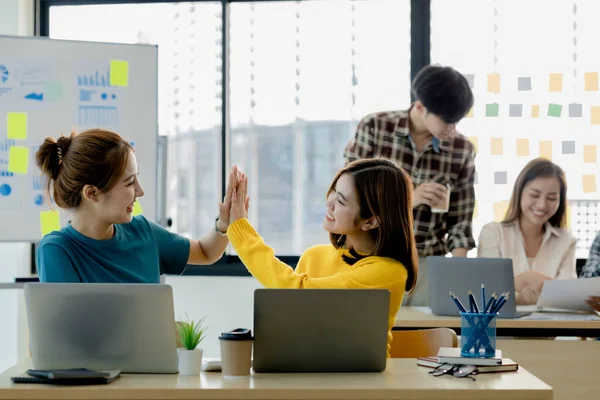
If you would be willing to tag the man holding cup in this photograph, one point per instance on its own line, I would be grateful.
(441, 162)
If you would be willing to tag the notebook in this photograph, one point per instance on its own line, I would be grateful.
(451, 355)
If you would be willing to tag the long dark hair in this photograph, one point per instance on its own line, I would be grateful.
(385, 192)
(538, 168)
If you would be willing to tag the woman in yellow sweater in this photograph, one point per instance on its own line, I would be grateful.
(370, 225)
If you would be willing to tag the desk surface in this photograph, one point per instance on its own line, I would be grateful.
(402, 379)
(421, 317)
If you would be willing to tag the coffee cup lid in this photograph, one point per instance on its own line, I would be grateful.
(237, 334)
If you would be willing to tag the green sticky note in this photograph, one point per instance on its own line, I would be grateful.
(554, 110)
(119, 73)
(137, 209)
(53, 91)
(492, 110)
(18, 159)
(49, 221)
(16, 125)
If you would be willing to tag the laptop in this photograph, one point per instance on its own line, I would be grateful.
(461, 274)
(320, 330)
(101, 326)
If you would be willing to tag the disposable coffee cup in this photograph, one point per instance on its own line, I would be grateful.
(446, 206)
(236, 353)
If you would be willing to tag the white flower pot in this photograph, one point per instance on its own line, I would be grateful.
(189, 361)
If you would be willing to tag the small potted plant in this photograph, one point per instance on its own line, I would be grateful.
(190, 334)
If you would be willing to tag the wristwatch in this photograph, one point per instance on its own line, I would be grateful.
(217, 228)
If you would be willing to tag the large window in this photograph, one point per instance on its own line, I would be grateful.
(300, 76)
(534, 68)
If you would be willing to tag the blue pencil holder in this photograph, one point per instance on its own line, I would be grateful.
(478, 335)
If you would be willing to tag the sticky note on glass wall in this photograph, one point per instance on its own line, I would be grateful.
(568, 215)
(500, 210)
(137, 209)
(595, 115)
(589, 183)
(16, 125)
(523, 147)
(589, 154)
(496, 146)
(470, 113)
(119, 73)
(49, 222)
(492, 110)
(546, 149)
(535, 111)
(554, 110)
(475, 141)
(591, 81)
(556, 82)
(493, 83)
(18, 159)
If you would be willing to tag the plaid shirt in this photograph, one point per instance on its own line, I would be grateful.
(592, 265)
(386, 134)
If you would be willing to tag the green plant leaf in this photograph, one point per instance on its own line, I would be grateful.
(191, 333)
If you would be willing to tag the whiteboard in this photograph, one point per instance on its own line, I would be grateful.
(62, 85)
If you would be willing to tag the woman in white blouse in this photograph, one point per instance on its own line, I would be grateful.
(532, 234)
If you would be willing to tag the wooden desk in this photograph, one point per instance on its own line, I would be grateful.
(421, 318)
(571, 367)
(403, 379)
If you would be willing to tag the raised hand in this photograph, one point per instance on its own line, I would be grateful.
(239, 200)
(225, 206)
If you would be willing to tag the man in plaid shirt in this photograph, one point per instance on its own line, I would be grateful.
(441, 162)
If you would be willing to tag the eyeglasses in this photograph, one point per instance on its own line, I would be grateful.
(458, 371)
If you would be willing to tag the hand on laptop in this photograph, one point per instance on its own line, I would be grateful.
(594, 302)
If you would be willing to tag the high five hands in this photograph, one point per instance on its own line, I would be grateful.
(236, 202)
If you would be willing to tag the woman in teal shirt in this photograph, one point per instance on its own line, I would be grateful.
(95, 175)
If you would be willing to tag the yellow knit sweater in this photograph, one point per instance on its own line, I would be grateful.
(319, 267)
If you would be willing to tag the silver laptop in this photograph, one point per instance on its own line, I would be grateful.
(320, 330)
(127, 327)
(461, 274)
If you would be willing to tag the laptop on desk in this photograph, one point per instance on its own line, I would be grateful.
(320, 330)
(461, 274)
(127, 327)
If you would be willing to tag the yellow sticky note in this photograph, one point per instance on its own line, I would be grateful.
(475, 210)
(18, 159)
(591, 81)
(16, 125)
(496, 147)
(475, 141)
(523, 147)
(49, 221)
(595, 115)
(500, 210)
(568, 215)
(535, 111)
(119, 73)
(137, 209)
(589, 154)
(470, 113)
(546, 149)
(493, 83)
(556, 82)
(589, 183)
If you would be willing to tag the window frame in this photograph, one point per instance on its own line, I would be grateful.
(230, 265)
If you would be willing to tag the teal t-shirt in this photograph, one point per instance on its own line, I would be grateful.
(139, 252)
